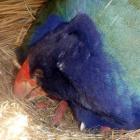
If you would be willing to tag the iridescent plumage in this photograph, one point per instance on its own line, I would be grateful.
(108, 73)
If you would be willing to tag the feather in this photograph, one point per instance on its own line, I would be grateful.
(76, 68)
(98, 58)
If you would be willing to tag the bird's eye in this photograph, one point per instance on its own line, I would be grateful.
(38, 73)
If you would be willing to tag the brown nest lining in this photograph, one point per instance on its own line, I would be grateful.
(16, 17)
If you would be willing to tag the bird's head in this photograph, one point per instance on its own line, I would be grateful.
(26, 85)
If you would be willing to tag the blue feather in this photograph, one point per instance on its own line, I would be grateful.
(40, 31)
(77, 68)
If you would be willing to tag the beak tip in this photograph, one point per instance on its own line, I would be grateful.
(23, 89)
(19, 90)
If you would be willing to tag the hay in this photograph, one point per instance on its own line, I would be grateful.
(16, 17)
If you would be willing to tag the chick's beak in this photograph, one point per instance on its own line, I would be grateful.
(23, 82)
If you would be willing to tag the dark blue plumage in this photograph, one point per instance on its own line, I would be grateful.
(50, 24)
(77, 69)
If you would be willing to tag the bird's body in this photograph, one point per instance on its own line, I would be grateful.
(79, 66)
(77, 69)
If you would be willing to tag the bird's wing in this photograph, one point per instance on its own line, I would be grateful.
(95, 76)
(81, 57)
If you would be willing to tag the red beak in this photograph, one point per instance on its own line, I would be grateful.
(23, 83)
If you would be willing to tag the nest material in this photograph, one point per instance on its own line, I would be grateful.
(16, 17)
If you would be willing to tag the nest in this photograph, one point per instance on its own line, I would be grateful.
(16, 17)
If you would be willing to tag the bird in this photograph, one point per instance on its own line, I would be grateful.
(76, 64)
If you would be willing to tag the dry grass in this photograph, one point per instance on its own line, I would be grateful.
(16, 17)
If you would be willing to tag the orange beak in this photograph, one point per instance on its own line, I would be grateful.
(23, 83)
